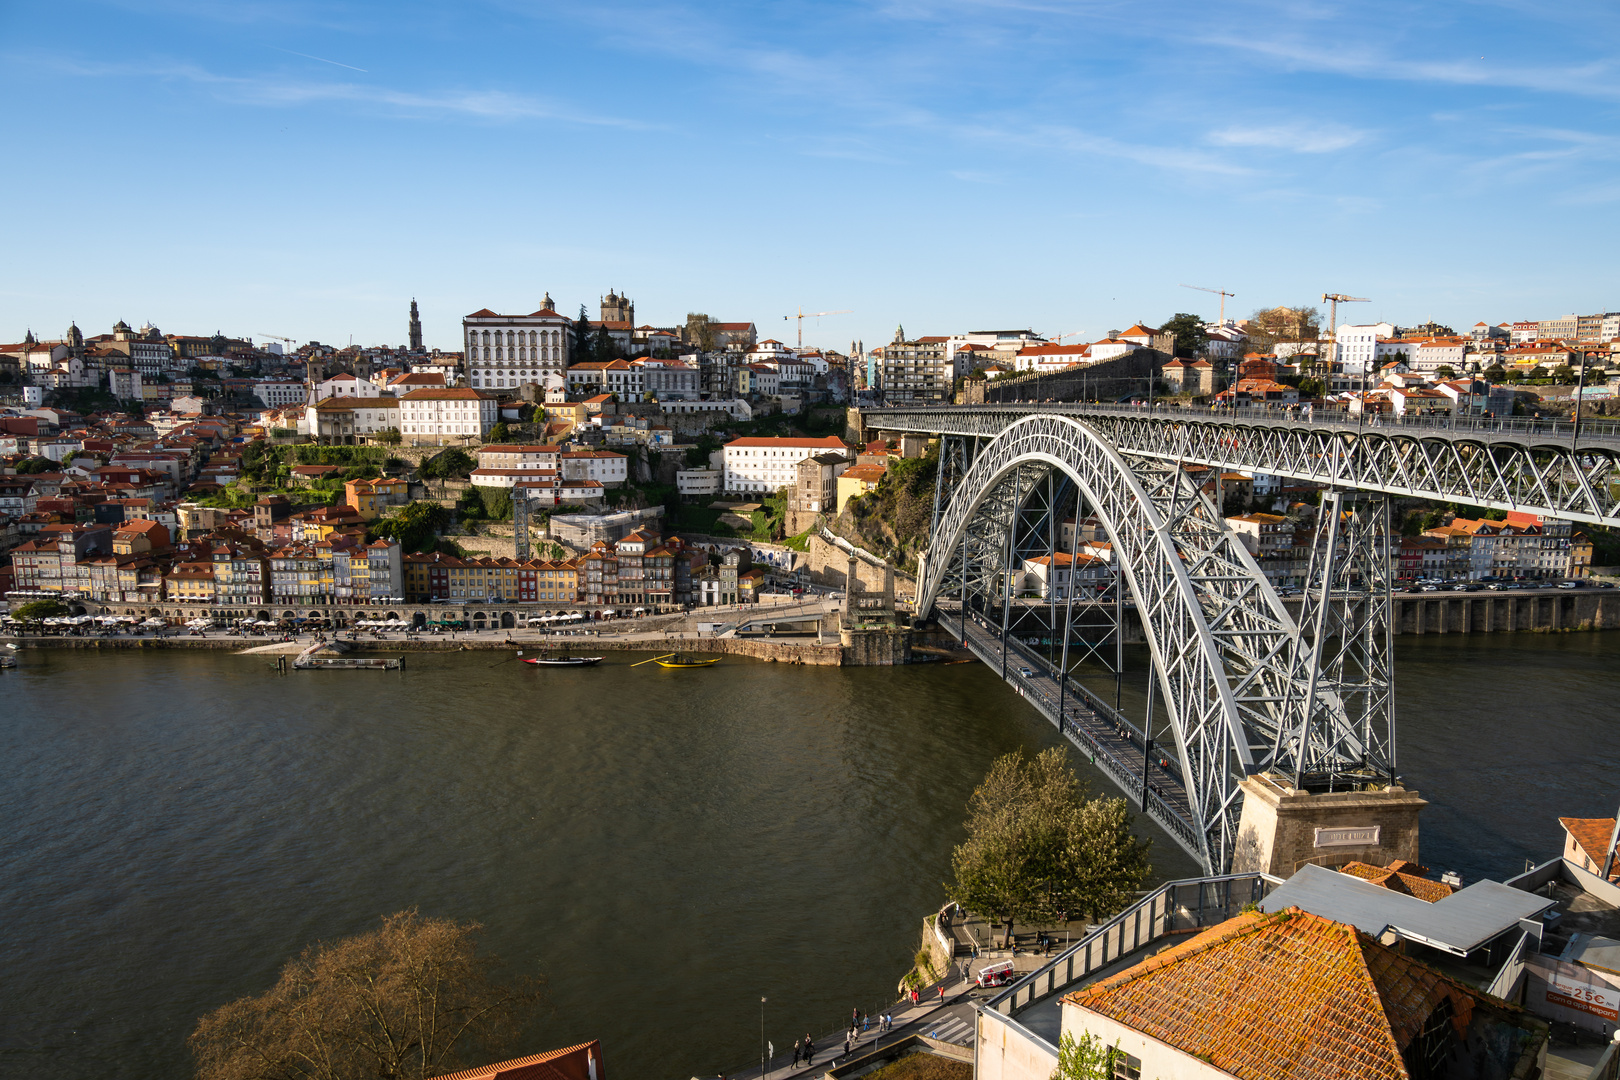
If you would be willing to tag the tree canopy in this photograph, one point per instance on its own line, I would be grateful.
(415, 527)
(35, 610)
(1190, 334)
(413, 998)
(1037, 846)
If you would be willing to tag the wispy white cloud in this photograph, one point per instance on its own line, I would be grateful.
(1595, 79)
(269, 91)
(1299, 137)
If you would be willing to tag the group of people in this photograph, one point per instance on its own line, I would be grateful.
(804, 1050)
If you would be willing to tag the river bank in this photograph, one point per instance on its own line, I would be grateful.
(768, 650)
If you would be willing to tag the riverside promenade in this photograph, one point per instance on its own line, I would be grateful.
(947, 1025)
(657, 634)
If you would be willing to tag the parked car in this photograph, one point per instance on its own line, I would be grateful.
(1569, 584)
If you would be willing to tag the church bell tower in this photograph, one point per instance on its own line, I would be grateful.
(416, 327)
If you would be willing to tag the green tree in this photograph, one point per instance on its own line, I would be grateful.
(414, 998)
(1037, 846)
(581, 337)
(1085, 1058)
(1563, 373)
(415, 527)
(39, 610)
(1446, 371)
(1496, 373)
(499, 432)
(389, 437)
(1312, 387)
(603, 347)
(34, 465)
(1190, 334)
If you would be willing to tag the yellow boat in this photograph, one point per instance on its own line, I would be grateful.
(676, 660)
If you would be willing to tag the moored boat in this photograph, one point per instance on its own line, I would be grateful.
(562, 661)
(679, 660)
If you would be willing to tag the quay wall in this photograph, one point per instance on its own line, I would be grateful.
(771, 651)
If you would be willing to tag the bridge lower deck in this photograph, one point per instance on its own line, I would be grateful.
(1109, 741)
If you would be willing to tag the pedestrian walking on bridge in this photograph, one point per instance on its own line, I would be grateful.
(797, 1050)
(809, 1052)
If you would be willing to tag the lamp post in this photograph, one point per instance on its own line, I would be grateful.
(1580, 389)
(762, 1038)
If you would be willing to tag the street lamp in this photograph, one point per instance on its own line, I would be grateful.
(762, 1054)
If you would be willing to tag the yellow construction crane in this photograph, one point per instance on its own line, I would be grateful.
(1335, 299)
(803, 315)
(1222, 293)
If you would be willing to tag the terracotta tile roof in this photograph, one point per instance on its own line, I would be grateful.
(1402, 877)
(1592, 834)
(1289, 995)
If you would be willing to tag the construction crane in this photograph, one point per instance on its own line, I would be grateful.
(278, 337)
(1335, 299)
(1222, 293)
(803, 315)
(1071, 333)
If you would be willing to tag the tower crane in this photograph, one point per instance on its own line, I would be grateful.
(1335, 299)
(1072, 333)
(278, 337)
(1222, 293)
(803, 315)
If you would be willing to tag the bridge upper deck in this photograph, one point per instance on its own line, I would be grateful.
(1592, 434)
(1547, 467)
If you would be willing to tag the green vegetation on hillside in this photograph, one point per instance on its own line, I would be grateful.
(893, 520)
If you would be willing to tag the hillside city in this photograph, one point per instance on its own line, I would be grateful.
(663, 467)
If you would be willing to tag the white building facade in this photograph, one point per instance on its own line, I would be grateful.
(503, 352)
(440, 417)
(1355, 347)
(768, 464)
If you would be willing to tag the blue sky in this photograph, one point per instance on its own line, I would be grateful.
(305, 168)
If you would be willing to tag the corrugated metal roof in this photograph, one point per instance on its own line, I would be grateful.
(1460, 923)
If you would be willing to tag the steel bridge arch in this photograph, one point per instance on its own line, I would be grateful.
(1223, 644)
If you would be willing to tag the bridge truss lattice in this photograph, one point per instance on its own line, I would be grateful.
(1242, 688)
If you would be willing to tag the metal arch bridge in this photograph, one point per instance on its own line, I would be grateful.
(1246, 687)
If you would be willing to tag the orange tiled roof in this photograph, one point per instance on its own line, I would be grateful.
(1289, 995)
(1402, 877)
(1593, 835)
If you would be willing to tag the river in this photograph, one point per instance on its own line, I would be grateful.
(666, 846)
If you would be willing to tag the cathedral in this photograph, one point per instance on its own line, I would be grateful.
(618, 309)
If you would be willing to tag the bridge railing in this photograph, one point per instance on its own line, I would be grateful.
(1596, 429)
(1174, 907)
(1127, 778)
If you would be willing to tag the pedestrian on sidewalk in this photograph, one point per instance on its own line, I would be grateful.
(809, 1052)
(797, 1050)
(915, 997)
(846, 1045)
(942, 992)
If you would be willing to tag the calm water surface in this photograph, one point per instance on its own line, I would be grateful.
(665, 846)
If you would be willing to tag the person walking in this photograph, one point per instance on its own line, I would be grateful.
(797, 1050)
(809, 1052)
(846, 1044)
(942, 992)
